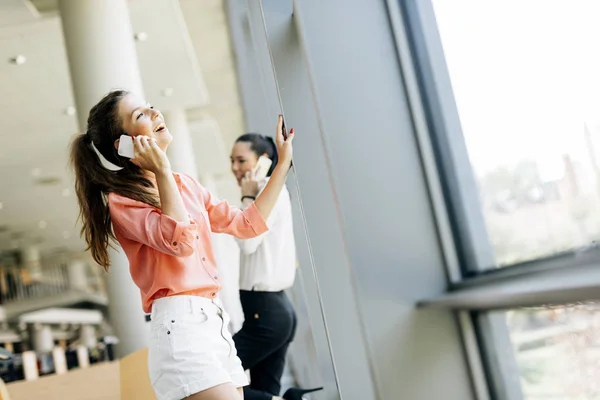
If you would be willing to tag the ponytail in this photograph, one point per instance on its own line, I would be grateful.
(93, 211)
(260, 145)
(93, 182)
(273, 156)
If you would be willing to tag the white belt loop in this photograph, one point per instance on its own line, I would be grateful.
(191, 305)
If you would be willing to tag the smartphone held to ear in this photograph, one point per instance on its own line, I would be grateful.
(126, 146)
(283, 129)
(261, 169)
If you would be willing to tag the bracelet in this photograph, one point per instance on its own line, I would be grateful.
(248, 197)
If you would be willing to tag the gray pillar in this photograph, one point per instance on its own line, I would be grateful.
(125, 306)
(101, 54)
(181, 151)
(100, 50)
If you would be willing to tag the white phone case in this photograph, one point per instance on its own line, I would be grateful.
(262, 167)
(126, 146)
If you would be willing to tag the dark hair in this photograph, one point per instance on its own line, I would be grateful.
(93, 181)
(260, 145)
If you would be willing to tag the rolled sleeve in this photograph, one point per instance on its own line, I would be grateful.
(224, 218)
(180, 235)
(144, 224)
(256, 220)
(250, 246)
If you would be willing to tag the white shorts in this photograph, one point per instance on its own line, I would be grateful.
(191, 349)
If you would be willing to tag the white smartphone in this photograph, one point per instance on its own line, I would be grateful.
(262, 167)
(126, 146)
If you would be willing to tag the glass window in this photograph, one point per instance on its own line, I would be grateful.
(526, 80)
(557, 351)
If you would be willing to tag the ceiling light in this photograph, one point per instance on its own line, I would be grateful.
(42, 224)
(48, 180)
(141, 36)
(36, 172)
(70, 111)
(167, 92)
(18, 60)
(66, 192)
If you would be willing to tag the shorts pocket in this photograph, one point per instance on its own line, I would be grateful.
(182, 334)
(172, 343)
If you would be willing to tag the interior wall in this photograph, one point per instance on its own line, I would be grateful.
(365, 200)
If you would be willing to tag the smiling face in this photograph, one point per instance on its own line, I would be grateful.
(243, 159)
(139, 118)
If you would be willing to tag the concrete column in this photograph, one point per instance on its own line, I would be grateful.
(77, 272)
(101, 55)
(42, 339)
(125, 306)
(100, 50)
(87, 336)
(180, 151)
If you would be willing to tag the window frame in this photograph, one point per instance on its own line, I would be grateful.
(451, 175)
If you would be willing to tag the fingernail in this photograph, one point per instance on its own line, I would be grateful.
(292, 130)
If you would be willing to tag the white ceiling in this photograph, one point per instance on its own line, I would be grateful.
(196, 63)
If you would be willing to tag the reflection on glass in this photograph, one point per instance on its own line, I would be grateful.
(526, 81)
(557, 351)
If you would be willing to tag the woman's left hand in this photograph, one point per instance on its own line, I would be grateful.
(284, 146)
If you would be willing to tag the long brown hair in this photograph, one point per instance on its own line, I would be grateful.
(93, 181)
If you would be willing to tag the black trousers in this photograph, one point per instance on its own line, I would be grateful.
(262, 343)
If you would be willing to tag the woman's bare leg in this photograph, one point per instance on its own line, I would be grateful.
(226, 391)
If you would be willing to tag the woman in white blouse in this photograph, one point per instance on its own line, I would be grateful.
(267, 268)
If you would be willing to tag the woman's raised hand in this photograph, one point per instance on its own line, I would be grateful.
(284, 144)
(148, 156)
